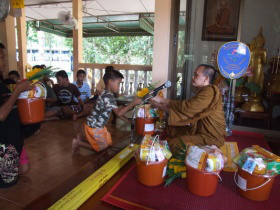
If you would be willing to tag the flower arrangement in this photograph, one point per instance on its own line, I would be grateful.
(144, 91)
(253, 87)
(39, 90)
(176, 166)
(224, 83)
(38, 73)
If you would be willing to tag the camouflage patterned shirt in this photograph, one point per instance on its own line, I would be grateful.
(102, 109)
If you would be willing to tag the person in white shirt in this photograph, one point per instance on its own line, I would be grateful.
(82, 86)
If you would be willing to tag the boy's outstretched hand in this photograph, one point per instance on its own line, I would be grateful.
(137, 101)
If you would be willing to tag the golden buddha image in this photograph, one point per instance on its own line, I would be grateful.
(258, 59)
(257, 63)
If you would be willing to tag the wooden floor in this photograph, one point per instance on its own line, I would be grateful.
(55, 171)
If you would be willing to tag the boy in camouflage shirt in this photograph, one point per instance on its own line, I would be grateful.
(97, 136)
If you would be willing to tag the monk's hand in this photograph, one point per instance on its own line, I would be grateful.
(23, 86)
(154, 103)
(157, 99)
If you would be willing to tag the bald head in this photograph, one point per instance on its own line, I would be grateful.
(209, 71)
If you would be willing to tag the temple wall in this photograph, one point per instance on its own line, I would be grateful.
(256, 13)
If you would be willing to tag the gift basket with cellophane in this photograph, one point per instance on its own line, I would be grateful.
(31, 105)
(151, 158)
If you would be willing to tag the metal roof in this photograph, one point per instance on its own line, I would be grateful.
(116, 25)
(100, 17)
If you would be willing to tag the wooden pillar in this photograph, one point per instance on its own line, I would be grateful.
(162, 28)
(22, 42)
(77, 36)
(8, 38)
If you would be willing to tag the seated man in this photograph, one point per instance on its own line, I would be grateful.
(65, 92)
(51, 111)
(199, 120)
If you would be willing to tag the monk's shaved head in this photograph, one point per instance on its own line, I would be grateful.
(209, 71)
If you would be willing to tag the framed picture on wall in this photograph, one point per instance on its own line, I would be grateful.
(220, 20)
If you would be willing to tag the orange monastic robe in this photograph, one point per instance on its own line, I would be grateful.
(199, 120)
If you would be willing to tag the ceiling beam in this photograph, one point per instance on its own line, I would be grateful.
(46, 3)
(113, 27)
(146, 25)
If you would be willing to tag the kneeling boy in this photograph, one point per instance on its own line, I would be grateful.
(98, 138)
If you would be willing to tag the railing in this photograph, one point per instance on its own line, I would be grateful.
(135, 76)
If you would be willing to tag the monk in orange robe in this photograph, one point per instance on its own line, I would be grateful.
(199, 120)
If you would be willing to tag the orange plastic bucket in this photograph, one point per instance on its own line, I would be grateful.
(31, 110)
(252, 186)
(200, 182)
(152, 174)
(145, 126)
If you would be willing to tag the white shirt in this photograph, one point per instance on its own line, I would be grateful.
(84, 90)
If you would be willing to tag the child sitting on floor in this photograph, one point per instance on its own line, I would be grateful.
(82, 86)
(95, 131)
(65, 92)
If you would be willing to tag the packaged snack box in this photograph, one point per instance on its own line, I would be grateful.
(257, 160)
(208, 158)
(153, 150)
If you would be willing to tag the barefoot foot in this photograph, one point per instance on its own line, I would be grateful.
(37, 132)
(74, 117)
(75, 146)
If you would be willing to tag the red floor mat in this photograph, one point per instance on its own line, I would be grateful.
(129, 194)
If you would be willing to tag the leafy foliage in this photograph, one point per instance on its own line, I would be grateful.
(119, 50)
(31, 32)
(41, 73)
(114, 50)
(253, 87)
(176, 165)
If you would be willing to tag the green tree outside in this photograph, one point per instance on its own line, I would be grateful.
(115, 49)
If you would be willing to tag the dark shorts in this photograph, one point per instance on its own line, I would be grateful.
(52, 108)
(76, 108)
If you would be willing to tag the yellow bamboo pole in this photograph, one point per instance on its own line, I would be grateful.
(89, 186)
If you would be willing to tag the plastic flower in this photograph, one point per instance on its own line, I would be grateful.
(176, 165)
(38, 73)
(32, 72)
(249, 72)
(143, 92)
